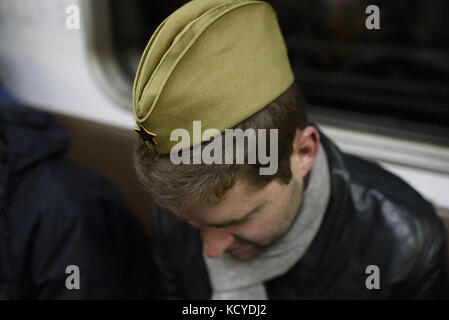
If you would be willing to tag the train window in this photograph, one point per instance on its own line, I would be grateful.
(394, 80)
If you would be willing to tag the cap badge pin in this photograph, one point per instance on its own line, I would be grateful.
(147, 136)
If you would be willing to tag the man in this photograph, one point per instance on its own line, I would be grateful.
(322, 225)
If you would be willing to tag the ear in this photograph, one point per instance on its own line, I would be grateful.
(305, 150)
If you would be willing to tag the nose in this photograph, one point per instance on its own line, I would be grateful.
(215, 241)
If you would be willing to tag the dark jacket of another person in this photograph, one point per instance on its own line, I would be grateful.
(54, 214)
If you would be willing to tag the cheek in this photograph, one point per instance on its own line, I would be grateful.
(272, 221)
(258, 228)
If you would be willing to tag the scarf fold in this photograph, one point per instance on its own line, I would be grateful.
(232, 279)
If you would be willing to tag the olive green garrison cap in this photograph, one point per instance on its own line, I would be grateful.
(217, 61)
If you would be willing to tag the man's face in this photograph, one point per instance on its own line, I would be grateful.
(247, 220)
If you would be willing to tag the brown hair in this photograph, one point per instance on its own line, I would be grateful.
(189, 185)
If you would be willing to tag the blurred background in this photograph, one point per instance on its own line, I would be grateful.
(380, 94)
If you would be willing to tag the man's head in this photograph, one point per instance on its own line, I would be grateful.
(224, 63)
(236, 209)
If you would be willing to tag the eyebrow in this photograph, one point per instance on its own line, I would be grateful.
(237, 221)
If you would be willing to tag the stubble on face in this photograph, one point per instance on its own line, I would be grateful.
(282, 222)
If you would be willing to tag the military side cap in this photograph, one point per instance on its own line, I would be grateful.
(217, 61)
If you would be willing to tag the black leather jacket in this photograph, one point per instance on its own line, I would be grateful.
(373, 218)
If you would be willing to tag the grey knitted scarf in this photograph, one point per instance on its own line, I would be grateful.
(240, 280)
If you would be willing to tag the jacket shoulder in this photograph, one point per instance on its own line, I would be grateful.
(401, 231)
(62, 214)
(177, 254)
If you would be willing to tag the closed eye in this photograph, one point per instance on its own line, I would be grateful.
(239, 221)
